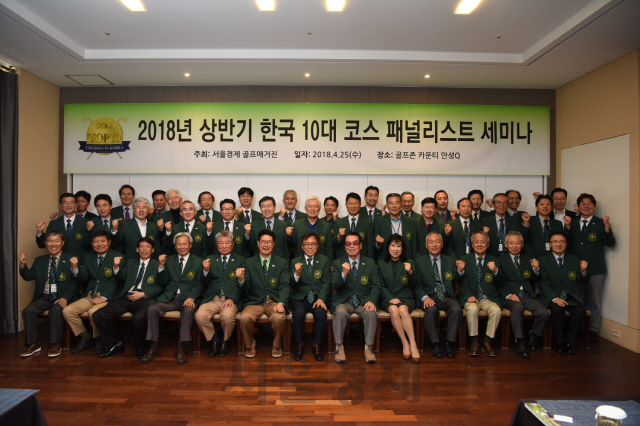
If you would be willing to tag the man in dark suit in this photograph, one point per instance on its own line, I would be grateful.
(541, 227)
(331, 209)
(559, 197)
(102, 203)
(370, 211)
(174, 200)
(207, 213)
(127, 233)
(182, 293)
(102, 282)
(245, 213)
(589, 237)
(458, 238)
(241, 244)
(222, 294)
(55, 287)
(357, 290)
(408, 200)
(265, 281)
(501, 223)
(478, 292)
(268, 221)
(125, 210)
(143, 284)
(311, 284)
(513, 203)
(72, 227)
(477, 197)
(83, 201)
(354, 221)
(289, 214)
(561, 274)
(201, 233)
(517, 291)
(393, 223)
(312, 223)
(442, 209)
(159, 200)
(428, 224)
(436, 273)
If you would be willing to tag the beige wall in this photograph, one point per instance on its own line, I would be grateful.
(38, 146)
(600, 105)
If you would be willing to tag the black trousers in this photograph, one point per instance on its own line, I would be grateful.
(454, 316)
(577, 312)
(104, 319)
(56, 320)
(540, 315)
(298, 313)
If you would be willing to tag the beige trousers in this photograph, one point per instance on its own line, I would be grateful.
(73, 311)
(206, 311)
(493, 311)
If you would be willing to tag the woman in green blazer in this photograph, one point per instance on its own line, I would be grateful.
(398, 280)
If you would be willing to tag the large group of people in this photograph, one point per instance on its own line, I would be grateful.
(169, 254)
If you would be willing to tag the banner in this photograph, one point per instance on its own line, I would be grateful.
(306, 139)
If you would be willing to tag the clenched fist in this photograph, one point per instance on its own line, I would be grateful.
(40, 227)
(298, 267)
(22, 259)
(209, 227)
(526, 218)
(116, 262)
(407, 267)
(168, 226)
(90, 225)
(240, 274)
(114, 224)
(567, 221)
(346, 268)
(492, 266)
(583, 266)
(535, 264)
(206, 265)
(160, 223)
(460, 265)
(74, 263)
(289, 230)
(247, 229)
(447, 229)
(162, 259)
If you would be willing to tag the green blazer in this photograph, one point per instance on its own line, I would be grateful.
(590, 245)
(318, 280)
(413, 215)
(275, 284)
(118, 212)
(281, 244)
(421, 234)
(488, 283)
(510, 224)
(153, 282)
(364, 213)
(255, 215)
(108, 283)
(128, 235)
(98, 224)
(382, 227)
(513, 280)
(330, 221)
(217, 278)
(188, 282)
(299, 216)
(241, 246)
(553, 279)
(198, 232)
(363, 227)
(155, 217)
(399, 286)
(454, 243)
(77, 243)
(67, 287)
(535, 246)
(483, 214)
(324, 232)
(215, 216)
(427, 279)
(365, 285)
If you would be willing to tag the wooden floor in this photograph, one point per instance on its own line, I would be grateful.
(85, 390)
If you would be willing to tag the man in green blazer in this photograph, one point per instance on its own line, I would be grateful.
(370, 211)
(159, 200)
(357, 289)
(501, 223)
(245, 213)
(143, 284)
(478, 292)
(182, 293)
(222, 294)
(517, 291)
(427, 224)
(355, 221)
(330, 209)
(55, 287)
(477, 198)
(97, 275)
(312, 223)
(458, 239)
(408, 200)
(268, 221)
(437, 273)
(541, 227)
(589, 237)
(201, 233)
(241, 245)
(265, 281)
(103, 204)
(393, 223)
(128, 232)
(72, 227)
(311, 283)
(289, 214)
(207, 213)
(125, 209)
(561, 274)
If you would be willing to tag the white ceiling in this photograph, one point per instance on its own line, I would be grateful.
(503, 44)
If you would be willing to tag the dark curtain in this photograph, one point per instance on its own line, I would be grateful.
(9, 201)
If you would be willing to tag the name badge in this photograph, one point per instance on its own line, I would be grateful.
(547, 247)
(467, 249)
(53, 288)
(500, 247)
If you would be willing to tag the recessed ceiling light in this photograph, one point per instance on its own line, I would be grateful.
(335, 5)
(186, 74)
(266, 5)
(307, 74)
(134, 5)
(427, 76)
(467, 6)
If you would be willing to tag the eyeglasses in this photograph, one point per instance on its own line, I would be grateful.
(227, 209)
(558, 242)
(308, 245)
(352, 244)
(265, 243)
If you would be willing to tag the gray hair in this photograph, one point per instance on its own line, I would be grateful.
(168, 191)
(487, 235)
(312, 197)
(224, 234)
(188, 202)
(514, 233)
(434, 232)
(290, 191)
(141, 199)
(182, 234)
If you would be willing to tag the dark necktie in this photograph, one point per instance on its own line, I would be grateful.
(53, 270)
(264, 267)
(353, 224)
(290, 216)
(94, 291)
(186, 227)
(310, 265)
(224, 266)
(207, 218)
(501, 230)
(475, 216)
(439, 286)
(355, 300)
(181, 264)
(371, 215)
(560, 262)
(546, 229)
(563, 293)
(517, 264)
(226, 226)
(269, 225)
(247, 219)
(126, 213)
(466, 233)
(136, 285)
(406, 214)
(480, 292)
(584, 226)
(106, 225)
(311, 294)
(68, 227)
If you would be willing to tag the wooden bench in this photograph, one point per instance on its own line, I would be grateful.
(505, 327)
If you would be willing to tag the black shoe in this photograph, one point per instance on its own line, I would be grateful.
(297, 355)
(113, 351)
(593, 335)
(181, 358)
(317, 353)
(569, 349)
(449, 350)
(140, 353)
(533, 342)
(559, 348)
(150, 355)
(224, 348)
(100, 346)
(436, 351)
(214, 349)
(82, 345)
(521, 349)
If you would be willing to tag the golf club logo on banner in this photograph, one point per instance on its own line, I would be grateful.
(104, 136)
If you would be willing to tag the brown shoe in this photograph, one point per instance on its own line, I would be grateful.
(181, 358)
(55, 351)
(250, 352)
(475, 349)
(369, 356)
(30, 350)
(150, 355)
(487, 349)
(339, 356)
(276, 352)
